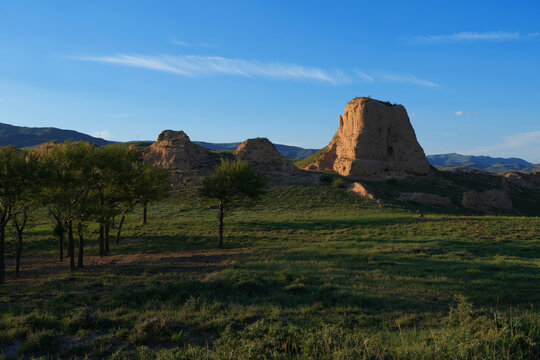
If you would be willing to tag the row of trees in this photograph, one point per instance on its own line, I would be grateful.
(78, 184)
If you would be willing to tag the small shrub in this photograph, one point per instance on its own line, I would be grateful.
(102, 345)
(84, 317)
(122, 333)
(179, 337)
(144, 353)
(338, 183)
(120, 354)
(40, 341)
(151, 328)
(326, 178)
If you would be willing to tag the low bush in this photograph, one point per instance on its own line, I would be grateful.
(338, 183)
(326, 178)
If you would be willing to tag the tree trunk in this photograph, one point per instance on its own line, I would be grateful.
(101, 240)
(3, 224)
(120, 229)
(60, 233)
(19, 252)
(220, 226)
(107, 239)
(81, 246)
(144, 215)
(71, 246)
(68, 248)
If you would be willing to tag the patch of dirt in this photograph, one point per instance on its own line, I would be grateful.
(11, 350)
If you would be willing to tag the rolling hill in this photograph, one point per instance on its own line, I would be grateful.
(22, 136)
(484, 163)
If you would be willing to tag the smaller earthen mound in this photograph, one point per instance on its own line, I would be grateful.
(174, 150)
(488, 201)
(264, 156)
(426, 199)
(362, 191)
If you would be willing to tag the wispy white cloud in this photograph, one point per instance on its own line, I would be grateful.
(404, 78)
(197, 65)
(104, 134)
(364, 77)
(385, 76)
(467, 36)
(524, 145)
(466, 113)
(2, 99)
(119, 116)
(186, 44)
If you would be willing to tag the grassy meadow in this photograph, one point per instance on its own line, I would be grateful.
(310, 272)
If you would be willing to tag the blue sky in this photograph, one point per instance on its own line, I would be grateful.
(467, 71)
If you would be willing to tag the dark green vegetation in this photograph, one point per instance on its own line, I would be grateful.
(312, 272)
(22, 136)
(484, 163)
(234, 180)
(312, 158)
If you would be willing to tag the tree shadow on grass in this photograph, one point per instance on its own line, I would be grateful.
(319, 224)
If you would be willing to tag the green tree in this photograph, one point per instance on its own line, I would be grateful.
(233, 181)
(34, 174)
(148, 184)
(67, 191)
(115, 171)
(14, 182)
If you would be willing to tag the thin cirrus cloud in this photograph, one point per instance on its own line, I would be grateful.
(364, 77)
(466, 113)
(469, 36)
(186, 44)
(197, 65)
(385, 76)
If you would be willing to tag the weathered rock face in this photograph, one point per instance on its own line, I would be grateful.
(263, 155)
(362, 191)
(491, 200)
(373, 139)
(426, 199)
(174, 150)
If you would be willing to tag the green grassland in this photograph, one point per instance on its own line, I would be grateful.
(310, 272)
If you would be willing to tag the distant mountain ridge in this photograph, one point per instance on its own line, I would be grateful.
(22, 136)
(484, 163)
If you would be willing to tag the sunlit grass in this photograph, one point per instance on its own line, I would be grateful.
(310, 272)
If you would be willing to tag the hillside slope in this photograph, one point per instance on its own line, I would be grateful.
(22, 136)
(485, 163)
